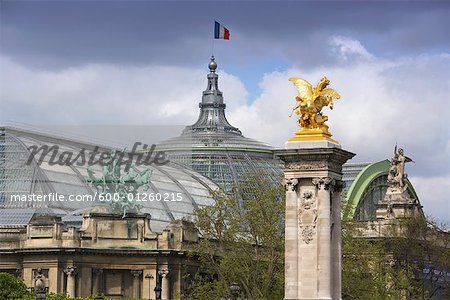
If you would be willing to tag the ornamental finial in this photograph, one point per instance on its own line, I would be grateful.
(212, 65)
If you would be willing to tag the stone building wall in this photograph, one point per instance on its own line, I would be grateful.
(120, 257)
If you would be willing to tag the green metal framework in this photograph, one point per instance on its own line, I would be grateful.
(369, 188)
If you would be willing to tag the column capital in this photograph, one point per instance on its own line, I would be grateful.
(338, 186)
(71, 271)
(136, 273)
(97, 271)
(290, 184)
(323, 182)
(163, 272)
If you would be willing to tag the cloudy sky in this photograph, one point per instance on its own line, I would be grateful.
(144, 63)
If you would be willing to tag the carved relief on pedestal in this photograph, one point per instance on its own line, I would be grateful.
(305, 166)
(313, 165)
(307, 216)
(290, 184)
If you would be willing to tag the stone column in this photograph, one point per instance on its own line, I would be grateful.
(312, 232)
(165, 285)
(55, 284)
(324, 235)
(71, 272)
(136, 278)
(148, 291)
(96, 281)
(336, 238)
(291, 234)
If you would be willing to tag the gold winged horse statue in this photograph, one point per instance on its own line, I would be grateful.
(310, 102)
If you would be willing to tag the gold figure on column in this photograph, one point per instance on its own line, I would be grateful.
(310, 102)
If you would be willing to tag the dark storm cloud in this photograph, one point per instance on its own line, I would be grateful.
(61, 34)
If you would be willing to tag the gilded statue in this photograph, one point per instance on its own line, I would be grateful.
(310, 102)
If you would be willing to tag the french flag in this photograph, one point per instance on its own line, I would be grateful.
(220, 32)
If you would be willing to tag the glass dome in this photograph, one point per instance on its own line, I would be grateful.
(18, 177)
(216, 149)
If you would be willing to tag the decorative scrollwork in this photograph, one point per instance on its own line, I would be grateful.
(308, 199)
(307, 216)
(71, 271)
(307, 232)
(290, 184)
(323, 182)
(306, 166)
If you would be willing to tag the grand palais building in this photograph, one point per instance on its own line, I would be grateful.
(84, 249)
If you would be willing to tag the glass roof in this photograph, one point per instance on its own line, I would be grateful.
(16, 216)
(19, 178)
(227, 159)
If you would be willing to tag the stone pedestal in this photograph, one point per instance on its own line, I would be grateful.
(102, 229)
(313, 172)
(396, 205)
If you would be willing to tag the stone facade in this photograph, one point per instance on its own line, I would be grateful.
(313, 174)
(120, 257)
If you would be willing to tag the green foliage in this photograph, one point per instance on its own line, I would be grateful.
(202, 287)
(246, 245)
(62, 296)
(391, 267)
(241, 244)
(13, 288)
(368, 270)
(53, 296)
(424, 245)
